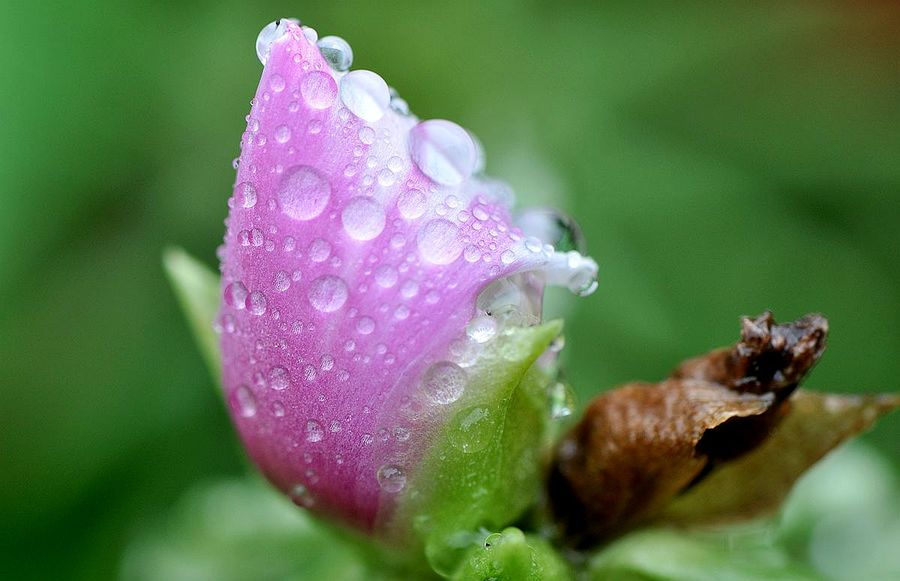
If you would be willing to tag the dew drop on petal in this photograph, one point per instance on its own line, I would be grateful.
(256, 303)
(439, 242)
(282, 134)
(319, 89)
(314, 431)
(367, 135)
(282, 281)
(267, 36)
(365, 325)
(276, 83)
(443, 150)
(303, 193)
(328, 293)
(363, 218)
(279, 378)
(337, 52)
(472, 429)
(365, 94)
(411, 204)
(247, 194)
(236, 295)
(386, 276)
(245, 401)
(444, 382)
(391, 478)
(482, 329)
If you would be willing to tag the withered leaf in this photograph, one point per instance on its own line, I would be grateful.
(721, 439)
(757, 483)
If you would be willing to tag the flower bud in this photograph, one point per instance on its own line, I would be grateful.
(380, 312)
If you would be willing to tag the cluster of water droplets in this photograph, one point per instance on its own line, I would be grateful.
(456, 219)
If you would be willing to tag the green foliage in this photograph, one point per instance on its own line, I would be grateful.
(511, 555)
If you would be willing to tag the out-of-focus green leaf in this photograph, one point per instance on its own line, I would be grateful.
(512, 556)
(236, 530)
(672, 555)
(197, 288)
(759, 481)
(483, 469)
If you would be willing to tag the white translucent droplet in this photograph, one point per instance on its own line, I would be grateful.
(256, 303)
(411, 204)
(282, 281)
(282, 134)
(386, 276)
(391, 478)
(304, 192)
(314, 431)
(367, 135)
(365, 94)
(236, 295)
(276, 83)
(328, 293)
(267, 37)
(444, 382)
(482, 329)
(336, 51)
(319, 250)
(279, 378)
(439, 242)
(246, 401)
(443, 150)
(365, 325)
(363, 218)
(247, 194)
(319, 89)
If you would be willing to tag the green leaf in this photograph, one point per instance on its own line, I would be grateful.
(235, 530)
(483, 469)
(513, 556)
(658, 554)
(197, 289)
(759, 481)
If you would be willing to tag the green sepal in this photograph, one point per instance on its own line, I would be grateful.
(197, 289)
(513, 556)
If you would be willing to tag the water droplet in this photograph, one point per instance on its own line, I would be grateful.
(279, 378)
(562, 400)
(363, 218)
(282, 281)
(236, 295)
(365, 325)
(443, 150)
(391, 478)
(314, 431)
(386, 276)
(473, 429)
(409, 289)
(386, 177)
(256, 303)
(411, 204)
(444, 382)
(301, 496)
(310, 34)
(336, 51)
(319, 89)
(552, 227)
(304, 193)
(267, 37)
(247, 193)
(276, 83)
(482, 329)
(365, 94)
(328, 293)
(401, 313)
(245, 400)
(367, 135)
(282, 134)
(439, 242)
(309, 373)
(319, 250)
(507, 257)
(277, 409)
(326, 362)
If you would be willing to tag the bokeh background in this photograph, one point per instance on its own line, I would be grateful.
(722, 158)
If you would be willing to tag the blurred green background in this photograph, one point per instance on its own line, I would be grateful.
(722, 157)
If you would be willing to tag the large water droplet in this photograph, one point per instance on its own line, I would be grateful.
(336, 51)
(391, 478)
(444, 382)
(314, 431)
(365, 94)
(304, 192)
(319, 250)
(328, 293)
(443, 150)
(411, 204)
(472, 429)
(245, 401)
(282, 134)
(279, 378)
(319, 89)
(267, 37)
(256, 303)
(439, 242)
(482, 329)
(363, 218)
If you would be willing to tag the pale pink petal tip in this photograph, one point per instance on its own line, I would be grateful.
(359, 246)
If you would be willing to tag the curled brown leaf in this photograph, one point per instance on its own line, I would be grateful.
(718, 440)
